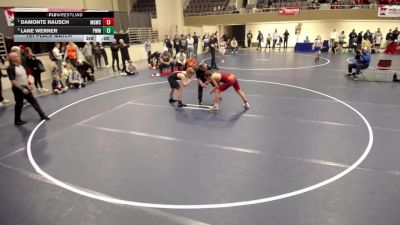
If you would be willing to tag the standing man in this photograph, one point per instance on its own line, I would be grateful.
(378, 39)
(201, 80)
(395, 34)
(21, 89)
(114, 53)
(285, 39)
(249, 37)
(332, 38)
(88, 53)
(168, 45)
(195, 43)
(58, 57)
(124, 53)
(190, 46)
(353, 39)
(147, 48)
(275, 37)
(260, 38)
(71, 53)
(213, 45)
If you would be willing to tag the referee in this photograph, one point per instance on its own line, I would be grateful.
(201, 80)
(20, 87)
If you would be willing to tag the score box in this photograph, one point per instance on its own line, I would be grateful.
(108, 21)
(108, 30)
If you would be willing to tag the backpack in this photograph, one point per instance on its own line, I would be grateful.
(51, 55)
(40, 65)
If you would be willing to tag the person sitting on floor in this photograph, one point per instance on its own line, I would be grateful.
(165, 63)
(66, 73)
(363, 59)
(57, 85)
(86, 70)
(131, 69)
(75, 79)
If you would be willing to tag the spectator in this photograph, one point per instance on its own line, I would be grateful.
(222, 49)
(395, 34)
(147, 48)
(359, 39)
(168, 45)
(97, 55)
(234, 45)
(260, 39)
(181, 59)
(21, 54)
(131, 69)
(165, 63)
(21, 89)
(378, 40)
(195, 43)
(114, 53)
(87, 52)
(183, 43)
(389, 37)
(268, 44)
(3, 68)
(368, 35)
(206, 43)
(332, 37)
(342, 38)
(86, 70)
(57, 57)
(366, 44)
(176, 44)
(57, 85)
(66, 73)
(190, 46)
(285, 39)
(35, 68)
(275, 37)
(249, 37)
(103, 54)
(280, 42)
(353, 40)
(306, 40)
(363, 59)
(155, 59)
(124, 53)
(71, 53)
(75, 79)
(213, 47)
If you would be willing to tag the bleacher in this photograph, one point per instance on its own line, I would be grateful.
(197, 6)
(145, 6)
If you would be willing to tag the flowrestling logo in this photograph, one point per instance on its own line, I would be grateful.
(389, 11)
(289, 11)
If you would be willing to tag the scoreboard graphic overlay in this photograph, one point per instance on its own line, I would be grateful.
(63, 26)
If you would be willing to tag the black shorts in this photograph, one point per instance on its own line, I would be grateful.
(173, 83)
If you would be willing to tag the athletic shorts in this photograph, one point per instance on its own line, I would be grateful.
(174, 84)
(222, 50)
(317, 49)
(231, 81)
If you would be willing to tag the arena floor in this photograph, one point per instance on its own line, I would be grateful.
(315, 148)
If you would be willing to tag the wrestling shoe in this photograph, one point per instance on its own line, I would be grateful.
(215, 107)
(19, 123)
(246, 105)
(171, 100)
(180, 104)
